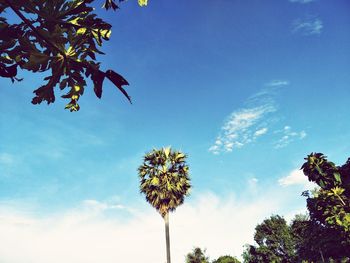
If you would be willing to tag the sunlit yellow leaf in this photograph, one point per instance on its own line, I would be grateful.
(81, 30)
(75, 21)
(167, 151)
(105, 33)
(70, 51)
(97, 38)
(142, 2)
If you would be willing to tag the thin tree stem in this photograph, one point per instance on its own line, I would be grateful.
(341, 200)
(321, 255)
(167, 236)
(29, 24)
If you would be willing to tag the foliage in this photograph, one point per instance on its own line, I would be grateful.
(164, 179)
(197, 256)
(330, 205)
(226, 259)
(304, 240)
(61, 36)
(316, 243)
(324, 235)
(274, 242)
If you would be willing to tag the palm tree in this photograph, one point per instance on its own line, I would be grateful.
(165, 182)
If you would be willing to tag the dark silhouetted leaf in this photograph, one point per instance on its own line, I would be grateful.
(98, 78)
(8, 72)
(118, 81)
(110, 4)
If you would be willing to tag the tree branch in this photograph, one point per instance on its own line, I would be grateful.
(29, 24)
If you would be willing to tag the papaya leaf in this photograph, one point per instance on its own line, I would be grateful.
(118, 81)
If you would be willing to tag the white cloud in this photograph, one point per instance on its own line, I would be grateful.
(296, 177)
(277, 83)
(246, 124)
(237, 131)
(260, 132)
(301, 1)
(222, 225)
(288, 136)
(308, 26)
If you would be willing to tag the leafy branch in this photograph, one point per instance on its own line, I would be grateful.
(62, 36)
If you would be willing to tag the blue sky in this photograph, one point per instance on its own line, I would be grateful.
(246, 88)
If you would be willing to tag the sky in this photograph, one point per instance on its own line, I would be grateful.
(247, 89)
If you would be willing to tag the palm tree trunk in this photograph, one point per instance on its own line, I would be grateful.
(167, 237)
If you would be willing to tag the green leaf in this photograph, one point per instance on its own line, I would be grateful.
(337, 177)
(321, 183)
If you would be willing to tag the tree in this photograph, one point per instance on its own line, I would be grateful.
(164, 180)
(60, 36)
(226, 259)
(274, 242)
(324, 235)
(317, 243)
(197, 256)
(330, 205)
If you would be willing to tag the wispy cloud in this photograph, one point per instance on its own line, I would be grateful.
(260, 132)
(288, 136)
(277, 83)
(296, 177)
(246, 124)
(307, 26)
(241, 128)
(301, 1)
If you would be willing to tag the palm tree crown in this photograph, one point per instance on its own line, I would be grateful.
(164, 179)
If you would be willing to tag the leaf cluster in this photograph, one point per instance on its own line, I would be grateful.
(164, 179)
(330, 205)
(61, 37)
